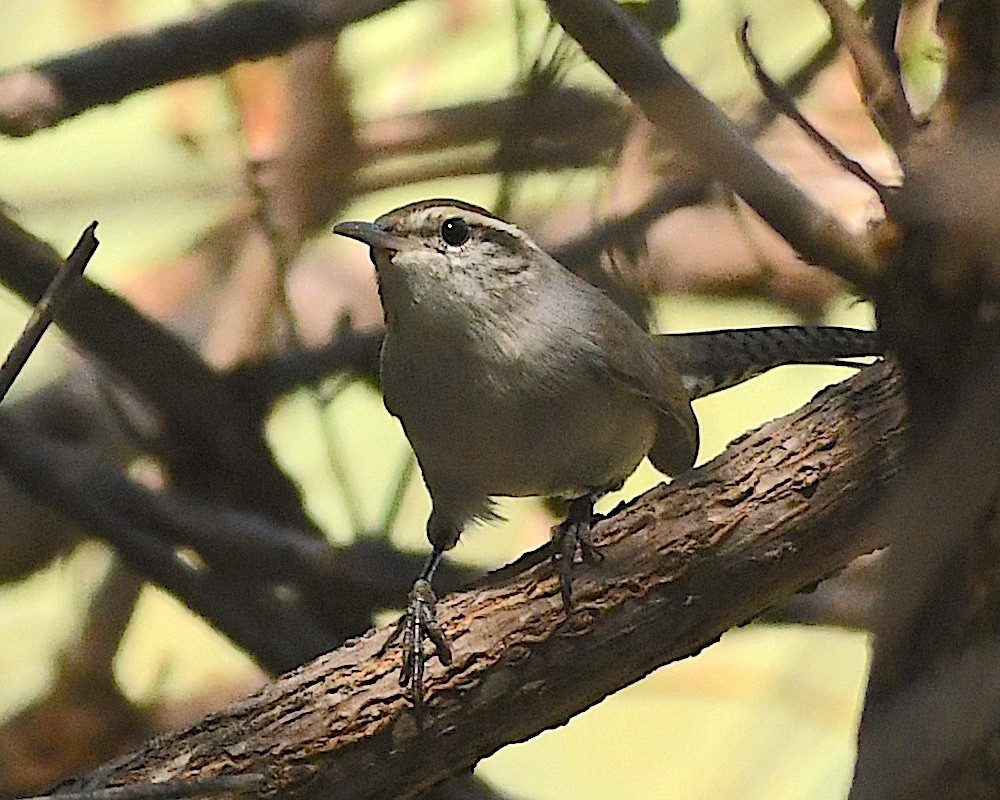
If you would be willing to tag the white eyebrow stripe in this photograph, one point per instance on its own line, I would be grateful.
(439, 213)
(506, 228)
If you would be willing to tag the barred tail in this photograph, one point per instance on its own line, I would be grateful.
(712, 360)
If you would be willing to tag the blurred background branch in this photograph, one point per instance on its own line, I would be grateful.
(47, 93)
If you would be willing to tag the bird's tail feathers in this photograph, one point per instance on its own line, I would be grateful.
(713, 360)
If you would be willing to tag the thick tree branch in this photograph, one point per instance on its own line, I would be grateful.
(932, 714)
(634, 61)
(776, 512)
(45, 94)
(134, 522)
(926, 713)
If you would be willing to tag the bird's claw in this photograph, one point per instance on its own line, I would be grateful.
(418, 623)
(570, 535)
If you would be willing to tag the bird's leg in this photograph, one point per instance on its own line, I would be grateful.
(418, 623)
(567, 536)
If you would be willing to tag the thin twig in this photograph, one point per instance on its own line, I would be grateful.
(776, 94)
(322, 402)
(881, 89)
(58, 290)
(156, 363)
(263, 213)
(684, 186)
(166, 372)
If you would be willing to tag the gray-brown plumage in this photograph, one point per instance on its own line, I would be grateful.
(514, 377)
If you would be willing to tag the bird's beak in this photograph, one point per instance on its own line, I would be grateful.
(371, 235)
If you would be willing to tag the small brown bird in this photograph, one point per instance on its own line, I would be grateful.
(514, 377)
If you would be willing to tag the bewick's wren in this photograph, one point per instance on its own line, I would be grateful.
(514, 377)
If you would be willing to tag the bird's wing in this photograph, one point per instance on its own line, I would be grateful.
(648, 371)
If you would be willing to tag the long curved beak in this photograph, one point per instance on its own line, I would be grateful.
(371, 235)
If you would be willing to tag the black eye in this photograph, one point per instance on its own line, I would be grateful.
(455, 231)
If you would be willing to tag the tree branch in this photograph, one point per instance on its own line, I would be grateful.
(224, 430)
(45, 94)
(776, 512)
(776, 94)
(881, 89)
(235, 560)
(634, 61)
(926, 713)
(156, 363)
(54, 296)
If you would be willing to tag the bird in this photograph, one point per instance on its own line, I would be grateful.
(514, 377)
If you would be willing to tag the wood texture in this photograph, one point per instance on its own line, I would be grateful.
(781, 509)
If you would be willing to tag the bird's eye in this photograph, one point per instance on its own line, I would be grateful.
(455, 231)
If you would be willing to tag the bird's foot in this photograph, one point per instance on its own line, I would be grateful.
(418, 624)
(573, 534)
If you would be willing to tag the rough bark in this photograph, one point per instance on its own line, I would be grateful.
(778, 511)
(932, 718)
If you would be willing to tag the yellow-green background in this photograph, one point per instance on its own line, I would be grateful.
(769, 712)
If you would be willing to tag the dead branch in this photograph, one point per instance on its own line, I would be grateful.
(778, 511)
(98, 321)
(235, 561)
